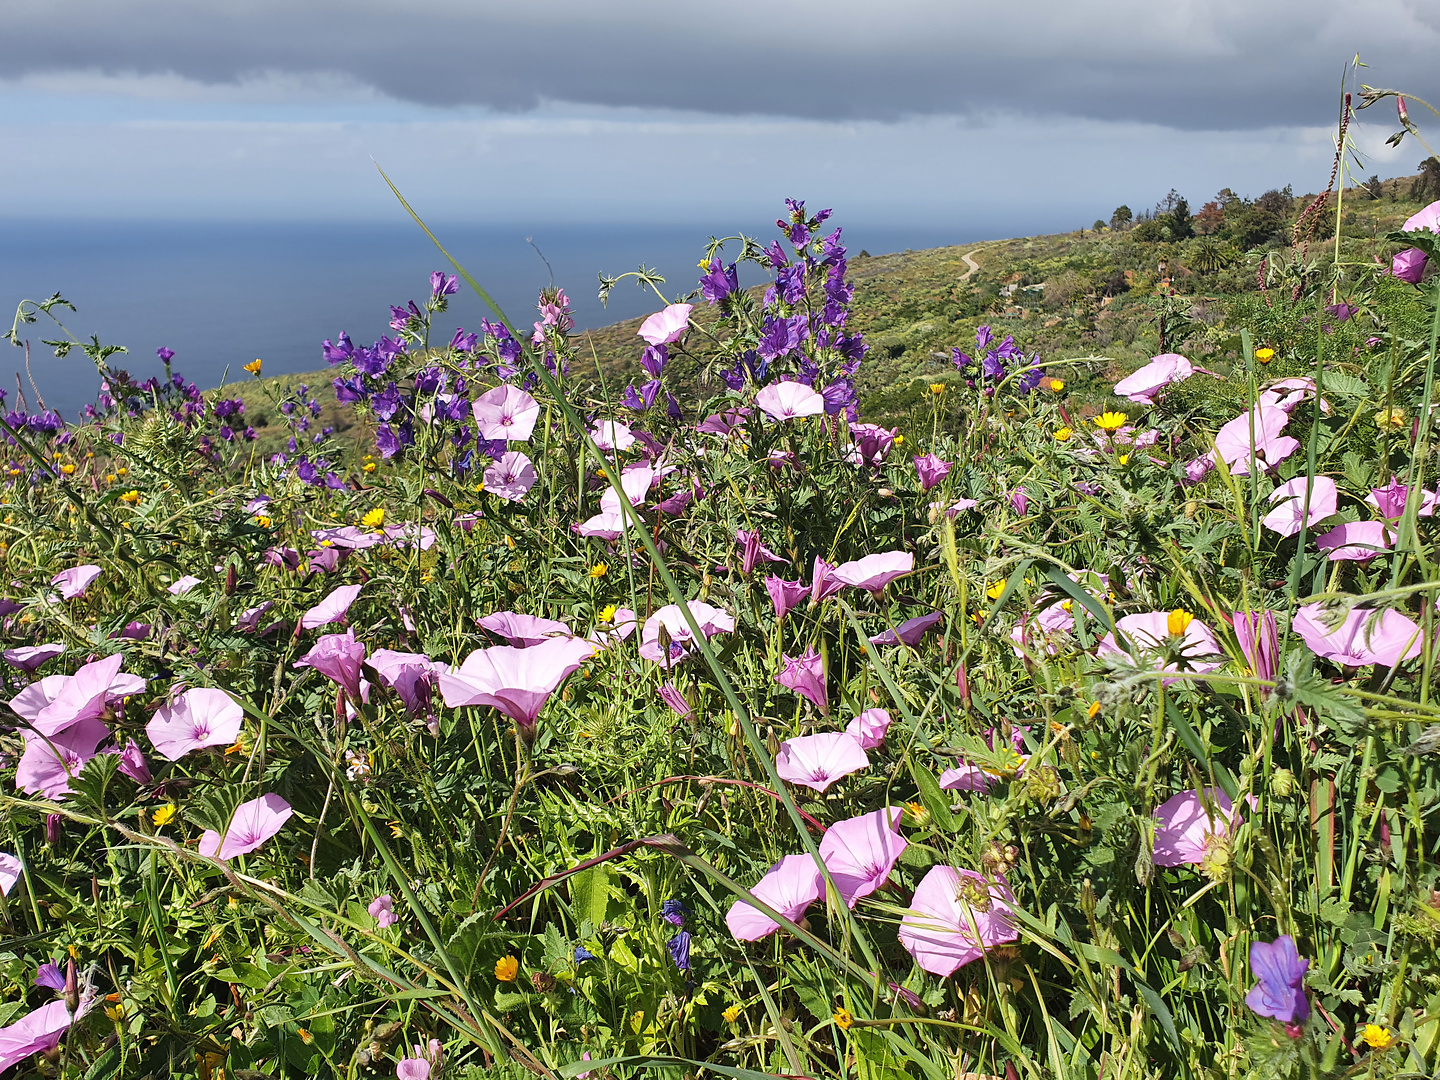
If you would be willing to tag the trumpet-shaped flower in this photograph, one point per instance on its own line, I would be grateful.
(667, 326)
(29, 657)
(870, 444)
(133, 763)
(1428, 218)
(1233, 441)
(874, 572)
(805, 675)
(1363, 637)
(1259, 642)
(909, 632)
(84, 695)
(1390, 500)
(505, 412)
(711, 620)
(612, 435)
(182, 585)
(75, 581)
(410, 675)
(382, 910)
(338, 657)
(198, 718)
(1289, 502)
(518, 682)
(861, 851)
(1149, 631)
(932, 470)
(787, 400)
(253, 823)
(790, 886)
(49, 763)
(332, 609)
(753, 551)
(1357, 541)
(823, 582)
(523, 630)
(1193, 829)
(1142, 386)
(869, 728)
(510, 477)
(1409, 265)
(1280, 990)
(10, 871)
(34, 1033)
(817, 761)
(785, 594)
(954, 917)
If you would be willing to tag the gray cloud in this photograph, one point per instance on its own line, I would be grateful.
(1226, 64)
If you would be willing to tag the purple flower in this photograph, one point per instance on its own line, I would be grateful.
(1259, 642)
(654, 358)
(932, 470)
(679, 947)
(440, 285)
(680, 707)
(806, 676)
(1409, 265)
(719, 281)
(1280, 991)
(674, 911)
(164, 354)
(947, 910)
(338, 657)
(785, 594)
(753, 551)
(48, 975)
(909, 632)
(382, 908)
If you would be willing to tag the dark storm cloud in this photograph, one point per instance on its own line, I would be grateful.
(1222, 64)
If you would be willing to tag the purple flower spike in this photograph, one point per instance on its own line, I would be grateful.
(1280, 992)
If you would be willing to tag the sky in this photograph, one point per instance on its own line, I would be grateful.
(907, 112)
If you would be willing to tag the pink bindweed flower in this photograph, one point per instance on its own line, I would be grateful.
(1193, 829)
(86, 694)
(909, 632)
(325, 560)
(1233, 440)
(281, 558)
(1364, 636)
(1409, 265)
(932, 470)
(788, 400)
(134, 631)
(874, 572)
(635, 481)
(523, 630)
(382, 910)
(603, 526)
(612, 435)
(676, 700)
(410, 675)
(249, 620)
(350, 537)
(510, 477)
(753, 551)
(711, 620)
(806, 676)
(49, 763)
(954, 917)
(790, 886)
(1289, 502)
(861, 851)
(29, 657)
(869, 728)
(817, 761)
(1390, 500)
(253, 823)
(421, 1061)
(133, 763)
(331, 609)
(198, 718)
(10, 872)
(667, 326)
(1428, 218)
(723, 423)
(1259, 642)
(953, 510)
(36, 1032)
(182, 585)
(1149, 632)
(1288, 393)
(823, 582)
(968, 777)
(1142, 386)
(505, 412)
(622, 624)
(517, 682)
(1356, 541)
(870, 444)
(785, 594)
(75, 581)
(338, 657)
(1019, 501)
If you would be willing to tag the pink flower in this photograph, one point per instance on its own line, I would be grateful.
(1259, 642)
(523, 630)
(622, 625)
(612, 435)
(1143, 385)
(338, 657)
(86, 694)
(1149, 631)
(10, 871)
(249, 620)
(518, 682)
(817, 761)
(806, 676)
(869, 728)
(790, 886)
(410, 675)
(711, 620)
(603, 526)
(1358, 541)
(1428, 218)
(953, 510)
(870, 444)
(382, 910)
(29, 657)
(1409, 265)
(253, 823)
(635, 481)
(350, 537)
(36, 1032)
(48, 764)
(861, 851)
(947, 910)
(968, 777)
(1019, 501)
(753, 551)
(665, 327)
(196, 719)
(182, 585)
(133, 763)
(1390, 500)
(823, 582)
(676, 700)
(505, 412)
(1289, 502)
(421, 1061)
(510, 477)
(932, 470)
(1300, 389)
(1363, 637)
(874, 572)
(331, 609)
(909, 632)
(75, 581)
(787, 400)
(1233, 440)
(723, 423)
(785, 594)
(1189, 828)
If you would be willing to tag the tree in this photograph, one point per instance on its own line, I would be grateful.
(1099, 226)
(1210, 218)
(1255, 225)
(1179, 220)
(1168, 204)
(1209, 256)
(1427, 184)
(1121, 217)
(1375, 187)
(1274, 202)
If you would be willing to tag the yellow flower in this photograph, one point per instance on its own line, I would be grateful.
(1177, 621)
(74, 951)
(68, 469)
(123, 471)
(916, 814)
(1264, 355)
(937, 388)
(507, 968)
(163, 815)
(843, 1018)
(368, 467)
(599, 570)
(1111, 421)
(1376, 1037)
(132, 497)
(899, 439)
(995, 590)
(1063, 434)
(254, 366)
(732, 1014)
(1094, 710)
(14, 471)
(395, 832)
(1056, 385)
(510, 542)
(117, 1013)
(1124, 459)
(1390, 419)
(305, 1036)
(607, 613)
(374, 518)
(263, 521)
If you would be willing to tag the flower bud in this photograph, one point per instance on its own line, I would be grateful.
(1282, 783)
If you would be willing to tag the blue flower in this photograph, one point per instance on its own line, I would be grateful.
(674, 911)
(582, 954)
(679, 947)
(1280, 992)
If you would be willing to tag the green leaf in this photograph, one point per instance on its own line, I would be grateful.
(590, 894)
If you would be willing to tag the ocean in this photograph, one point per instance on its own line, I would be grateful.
(222, 294)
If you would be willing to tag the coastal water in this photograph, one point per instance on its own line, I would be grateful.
(221, 295)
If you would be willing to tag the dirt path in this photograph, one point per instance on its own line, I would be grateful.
(970, 263)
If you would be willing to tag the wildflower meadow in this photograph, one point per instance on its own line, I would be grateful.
(561, 728)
